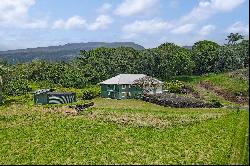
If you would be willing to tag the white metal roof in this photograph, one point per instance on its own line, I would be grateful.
(123, 79)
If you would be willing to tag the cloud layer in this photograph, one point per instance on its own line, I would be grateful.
(14, 13)
(77, 22)
(142, 21)
(206, 30)
(239, 27)
(146, 26)
(207, 9)
(132, 7)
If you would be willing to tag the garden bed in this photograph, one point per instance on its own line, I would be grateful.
(173, 100)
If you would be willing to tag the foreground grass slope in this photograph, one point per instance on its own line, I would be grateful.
(123, 132)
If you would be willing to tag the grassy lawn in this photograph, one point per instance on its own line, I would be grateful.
(123, 132)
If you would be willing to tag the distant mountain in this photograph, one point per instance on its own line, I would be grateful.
(59, 53)
(187, 47)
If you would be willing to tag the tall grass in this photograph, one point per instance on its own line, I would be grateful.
(30, 135)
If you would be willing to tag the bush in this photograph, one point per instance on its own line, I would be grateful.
(91, 92)
(16, 86)
(174, 86)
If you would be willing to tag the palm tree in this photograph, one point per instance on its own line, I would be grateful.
(233, 38)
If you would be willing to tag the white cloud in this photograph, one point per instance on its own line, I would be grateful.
(75, 22)
(183, 29)
(146, 26)
(228, 5)
(206, 30)
(104, 8)
(101, 22)
(239, 27)
(131, 7)
(15, 13)
(208, 8)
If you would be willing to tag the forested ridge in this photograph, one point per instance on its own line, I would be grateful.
(93, 66)
(58, 53)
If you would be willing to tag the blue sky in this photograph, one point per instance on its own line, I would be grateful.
(34, 23)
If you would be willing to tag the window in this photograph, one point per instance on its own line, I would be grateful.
(123, 86)
(123, 94)
(129, 86)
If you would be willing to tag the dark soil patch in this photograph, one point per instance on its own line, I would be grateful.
(240, 74)
(190, 90)
(224, 93)
(173, 100)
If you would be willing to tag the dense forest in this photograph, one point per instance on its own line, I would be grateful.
(93, 66)
(58, 53)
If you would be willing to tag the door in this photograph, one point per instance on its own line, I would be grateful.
(112, 95)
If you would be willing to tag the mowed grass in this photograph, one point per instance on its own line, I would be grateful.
(123, 132)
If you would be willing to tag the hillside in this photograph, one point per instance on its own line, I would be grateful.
(229, 88)
(130, 131)
(59, 53)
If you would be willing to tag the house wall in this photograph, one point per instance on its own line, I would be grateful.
(120, 91)
(41, 99)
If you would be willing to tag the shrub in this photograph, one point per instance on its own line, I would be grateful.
(91, 92)
(174, 86)
(16, 86)
(216, 103)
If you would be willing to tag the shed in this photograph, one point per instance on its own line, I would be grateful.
(46, 96)
(122, 87)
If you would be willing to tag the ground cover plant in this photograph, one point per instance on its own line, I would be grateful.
(124, 132)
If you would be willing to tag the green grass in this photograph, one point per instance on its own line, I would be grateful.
(221, 80)
(233, 85)
(123, 132)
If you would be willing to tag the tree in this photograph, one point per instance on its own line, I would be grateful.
(147, 83)
(173, 60)
(233, 38)
(243, 48)
(204, 55)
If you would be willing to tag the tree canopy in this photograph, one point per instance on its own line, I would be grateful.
(94, 66)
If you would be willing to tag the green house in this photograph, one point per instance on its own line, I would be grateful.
(122, 87)
(45, 96)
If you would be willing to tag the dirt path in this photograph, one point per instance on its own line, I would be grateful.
(229, 96)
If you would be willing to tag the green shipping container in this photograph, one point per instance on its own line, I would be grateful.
(46, 97)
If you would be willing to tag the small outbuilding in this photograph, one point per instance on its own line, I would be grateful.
(46, 96)
(123, 86)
